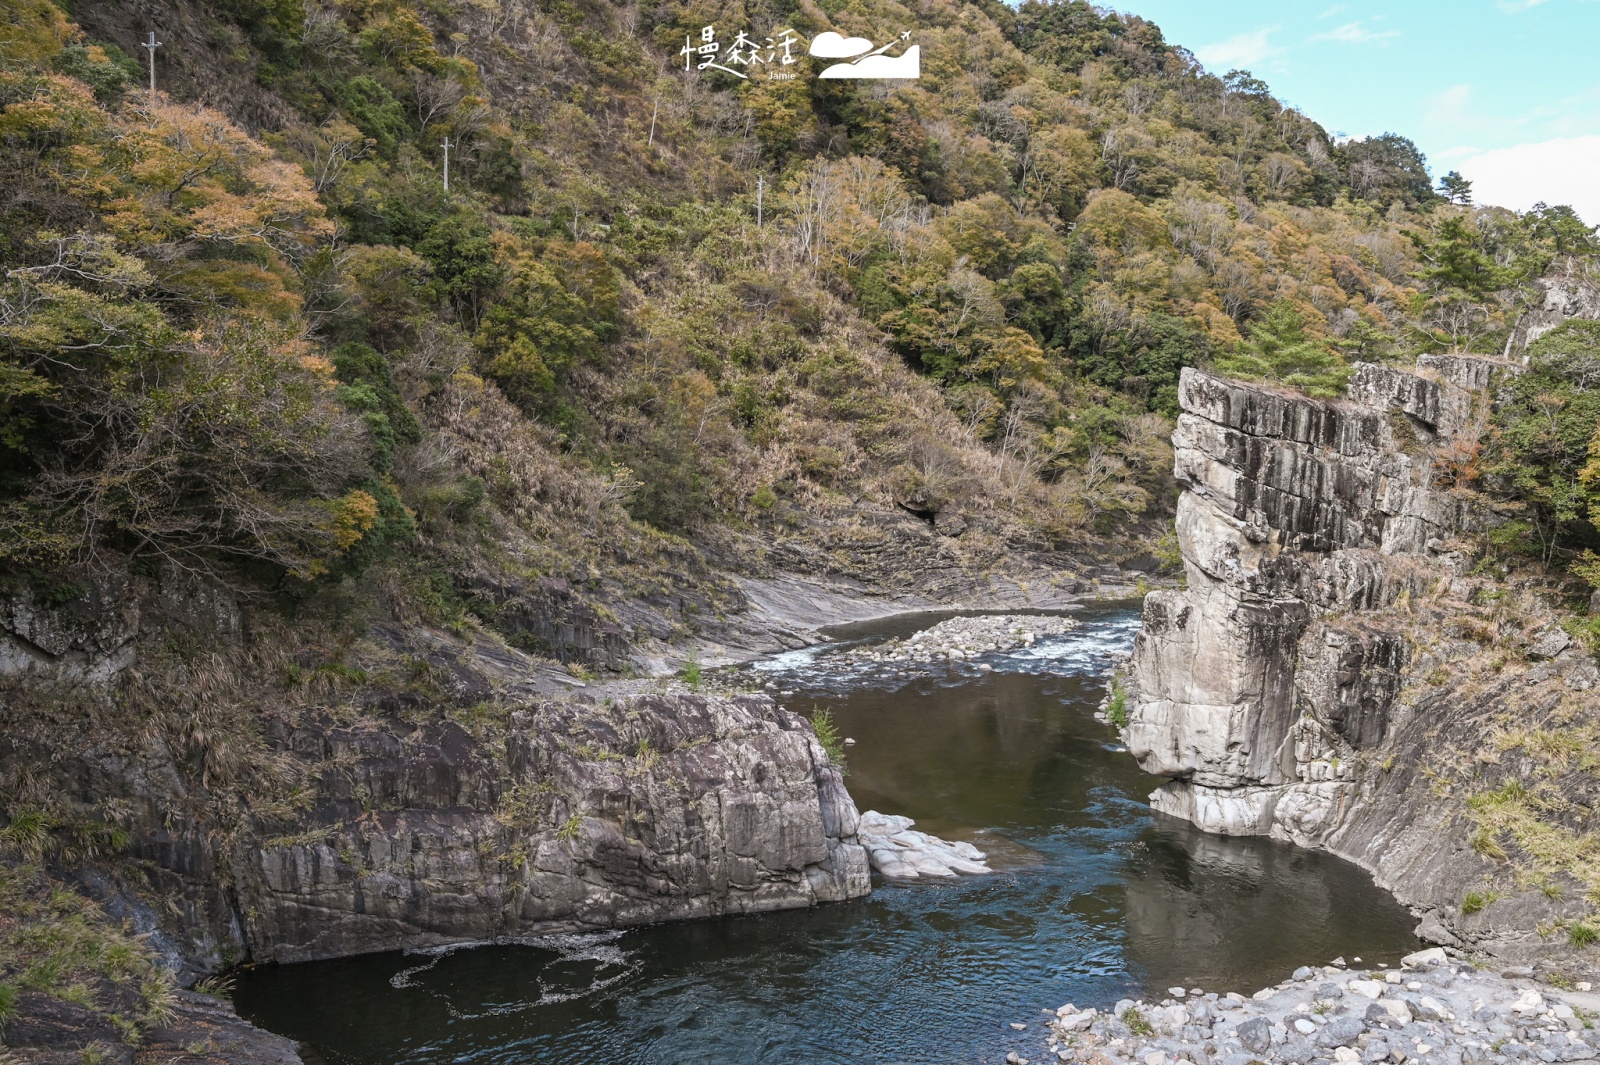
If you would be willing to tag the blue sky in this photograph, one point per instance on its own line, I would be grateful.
(1506, 91)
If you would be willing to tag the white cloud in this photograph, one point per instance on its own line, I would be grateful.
(1561, 171)
(908, 65)
(1336, 9)
(1356, 33)
(1240, 50)
(1450, 106)
(1512, 7)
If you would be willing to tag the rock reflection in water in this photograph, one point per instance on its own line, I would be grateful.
(1249, 907)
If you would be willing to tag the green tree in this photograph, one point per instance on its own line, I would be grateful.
(1456, 189)
(1279, 349)
(1455, 260)
(1540, 453)
(465, 267)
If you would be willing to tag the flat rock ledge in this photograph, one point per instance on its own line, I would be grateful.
(962, 638)
(898, 852)
(1432, 1011)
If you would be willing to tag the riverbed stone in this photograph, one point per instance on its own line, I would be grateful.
(1491, 1033)
(899, 852)
(961, 638)
(1341, 1031)
(1256, 1034)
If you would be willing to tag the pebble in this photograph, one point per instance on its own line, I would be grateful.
(957, 639)
(1434, 1011)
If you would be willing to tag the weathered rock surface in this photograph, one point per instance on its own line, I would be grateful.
(1329, 656)
(897, 851)
(1569, 293)
(577, 817)
(201, 1029)
(470, 824)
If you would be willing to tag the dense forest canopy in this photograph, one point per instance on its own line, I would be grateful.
(246, 330)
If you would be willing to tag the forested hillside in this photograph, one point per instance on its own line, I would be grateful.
(246, 331)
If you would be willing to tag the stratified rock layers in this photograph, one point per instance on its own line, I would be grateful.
(565, 815)
(1293, 508)
(650, 808)
(1269, 690)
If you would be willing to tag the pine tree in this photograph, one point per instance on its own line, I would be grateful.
(1280, 350)
(1456, 189)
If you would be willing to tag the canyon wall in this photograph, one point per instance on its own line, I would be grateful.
(1333, 674)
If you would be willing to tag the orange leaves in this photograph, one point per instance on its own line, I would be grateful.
(354, 515)
(194, 176)
(32, 31)
(57, 118)
(206, 206)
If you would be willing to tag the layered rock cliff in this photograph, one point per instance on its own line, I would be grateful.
(291, 801)
(1333, 674)
(574, 816)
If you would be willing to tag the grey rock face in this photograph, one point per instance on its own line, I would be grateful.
(1292, 508)
(1341, 1031)
(567, 816)
(86, 640)
(653, 808)
(1286, 691)
(1256, 1034)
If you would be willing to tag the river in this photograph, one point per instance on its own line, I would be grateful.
(1096, 898)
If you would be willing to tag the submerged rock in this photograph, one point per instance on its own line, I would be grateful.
(897, 851)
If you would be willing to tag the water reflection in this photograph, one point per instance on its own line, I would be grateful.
(1097, 898)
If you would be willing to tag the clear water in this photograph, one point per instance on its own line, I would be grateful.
(1096, 899)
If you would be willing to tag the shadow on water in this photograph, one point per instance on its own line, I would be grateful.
(1097, 898)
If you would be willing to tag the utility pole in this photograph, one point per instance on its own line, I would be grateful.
(447, 164)
(761, 193)
(151, 45)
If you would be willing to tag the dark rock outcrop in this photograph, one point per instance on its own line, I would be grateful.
(567, 815)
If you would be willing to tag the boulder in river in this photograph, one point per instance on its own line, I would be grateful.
(896, 850)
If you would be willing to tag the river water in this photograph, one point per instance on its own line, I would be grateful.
(1097, 898)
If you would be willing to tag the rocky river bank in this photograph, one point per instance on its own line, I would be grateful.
(1433, 1010)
